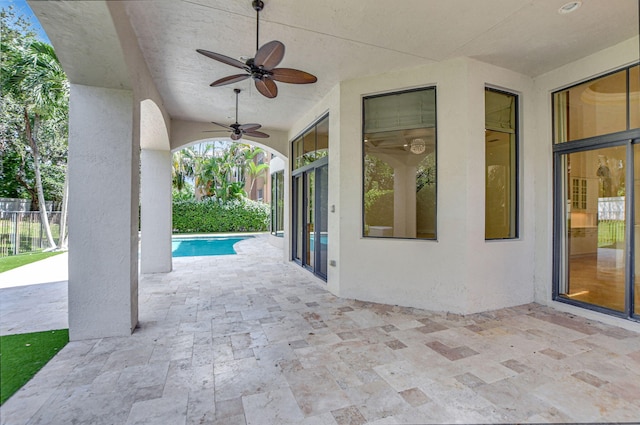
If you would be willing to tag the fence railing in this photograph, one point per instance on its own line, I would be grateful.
(22, 231)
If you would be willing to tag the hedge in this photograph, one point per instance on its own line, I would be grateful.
(210, 216)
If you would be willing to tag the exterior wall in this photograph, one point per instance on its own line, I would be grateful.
(460, 272)
(103, 225)
(500, 272)
(600, 63)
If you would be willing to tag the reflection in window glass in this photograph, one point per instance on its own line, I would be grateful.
(501, 165)
(591, 109)
(309, 146)
(400, 165)
(634, 97)
(594, 244)
(322, 138)
(312, 145)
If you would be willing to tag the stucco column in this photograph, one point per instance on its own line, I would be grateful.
(404, 201)
(155, 211)
(103, 213)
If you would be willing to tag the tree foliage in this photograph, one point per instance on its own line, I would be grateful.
(32, 80)
(218, 170)
(35, 111)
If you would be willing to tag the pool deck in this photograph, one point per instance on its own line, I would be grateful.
(251, 339)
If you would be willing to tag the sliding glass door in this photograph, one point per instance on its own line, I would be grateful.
(595, 246)
(310, 236)
(597, 193)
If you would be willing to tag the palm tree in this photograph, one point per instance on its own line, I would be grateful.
(183, 167)
(253, 169)
(32, 75)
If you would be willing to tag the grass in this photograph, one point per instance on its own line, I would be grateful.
(8, 263)
(23, 355)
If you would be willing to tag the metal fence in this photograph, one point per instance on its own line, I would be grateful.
(22, 231)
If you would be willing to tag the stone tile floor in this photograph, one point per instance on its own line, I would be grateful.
(250, 339)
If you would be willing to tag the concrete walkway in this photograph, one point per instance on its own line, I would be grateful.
(250, 339)
(33, 297)
(52, 269)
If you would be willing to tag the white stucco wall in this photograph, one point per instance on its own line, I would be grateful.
(460, 272)
(155, 211)
(103, 217)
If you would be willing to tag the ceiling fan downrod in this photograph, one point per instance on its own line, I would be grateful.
(258, 5)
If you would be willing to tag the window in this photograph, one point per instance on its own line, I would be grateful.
(312, 145)
(277, 203)
(399, 165)
(605, 105)
(501, 164)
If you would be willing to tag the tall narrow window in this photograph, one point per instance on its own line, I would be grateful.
(400, 165)
(501, 165)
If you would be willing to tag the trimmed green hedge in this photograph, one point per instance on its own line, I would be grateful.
(210, 216)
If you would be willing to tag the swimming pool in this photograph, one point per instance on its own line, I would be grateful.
(204, 246)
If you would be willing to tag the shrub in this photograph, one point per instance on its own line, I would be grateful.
(211, 215)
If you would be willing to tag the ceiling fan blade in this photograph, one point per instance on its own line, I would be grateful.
(249, 127)
(267, 87)
(259, 134)
(229, 80)
(236, 136)
(269, 55)
(292, 76)
(222, 58)
(215, 131)
(222, 125)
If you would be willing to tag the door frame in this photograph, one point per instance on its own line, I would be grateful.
(298, 176)
(629, 139)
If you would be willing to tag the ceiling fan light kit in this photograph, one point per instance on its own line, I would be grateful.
(261, 68)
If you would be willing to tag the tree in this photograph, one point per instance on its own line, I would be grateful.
(183, 168)
(251, 166)
(32, 77)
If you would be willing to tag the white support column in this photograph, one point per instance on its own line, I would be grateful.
(103, 213)
(404, 201)
(155, 214)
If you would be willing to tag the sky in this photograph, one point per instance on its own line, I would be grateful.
(22, 8)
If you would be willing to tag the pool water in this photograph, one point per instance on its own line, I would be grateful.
(215, 245)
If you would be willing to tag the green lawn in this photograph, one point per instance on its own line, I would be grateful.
(8, 263)
(23, 355)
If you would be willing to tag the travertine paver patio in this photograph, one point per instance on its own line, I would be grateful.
(250, 339)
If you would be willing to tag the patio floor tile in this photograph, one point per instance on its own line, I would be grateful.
(251, 339)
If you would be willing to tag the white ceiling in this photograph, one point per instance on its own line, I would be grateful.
(336, 40)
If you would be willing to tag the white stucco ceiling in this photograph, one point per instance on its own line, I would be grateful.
(335, 40)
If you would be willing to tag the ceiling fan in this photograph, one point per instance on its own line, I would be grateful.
(262, 67)
(239, 130)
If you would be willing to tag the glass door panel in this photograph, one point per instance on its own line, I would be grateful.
(595, 243)
(636, 229)
(322, 228)
(298, 223)
(309, 235)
